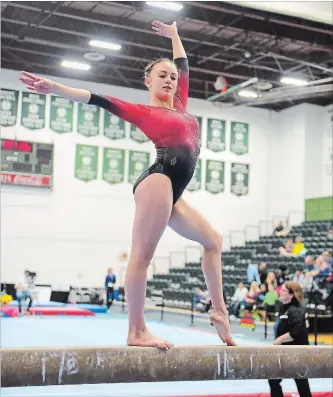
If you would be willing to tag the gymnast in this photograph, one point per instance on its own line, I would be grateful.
(158, 191)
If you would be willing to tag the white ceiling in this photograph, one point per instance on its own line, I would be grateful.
(319, 11)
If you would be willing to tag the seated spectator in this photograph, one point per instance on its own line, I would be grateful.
(262, 272)
(328, 258)
(330, 234)
(287, 249)
(300, 278)
(322, 268)
(261, 296)
(24, 289)
(281, 275)
(299, 247)
(270, 300)
(238, 297)
(282, 229)
(253, 273)
(271, 280)
(308, 264)
(251, 297)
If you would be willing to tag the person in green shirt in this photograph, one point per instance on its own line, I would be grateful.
(270, 299)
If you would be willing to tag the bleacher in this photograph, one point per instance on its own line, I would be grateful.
(177, 286)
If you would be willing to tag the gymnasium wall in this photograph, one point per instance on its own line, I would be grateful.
(73, 232)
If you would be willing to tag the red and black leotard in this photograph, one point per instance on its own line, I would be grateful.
(175, 133)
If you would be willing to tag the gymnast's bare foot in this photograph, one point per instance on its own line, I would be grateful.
(221, 322)
(146, 339)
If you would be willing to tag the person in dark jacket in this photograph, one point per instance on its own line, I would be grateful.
(291, 329)
(110, 281)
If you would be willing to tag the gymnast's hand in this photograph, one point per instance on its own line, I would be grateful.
(164, 30)
(37, 84)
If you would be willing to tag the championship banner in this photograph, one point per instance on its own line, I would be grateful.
(113, 165)
(195, 182)
(9, 105)
(138, 162)
(86, 162)
(239, 141)
(214, 176)
(114, 127)
(137, 135)
(88, 120)
(240, 179)
(61, 115)
(33, 111)
(216, 135)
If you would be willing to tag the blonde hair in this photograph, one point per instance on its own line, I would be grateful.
(295, 289)
(150, 66)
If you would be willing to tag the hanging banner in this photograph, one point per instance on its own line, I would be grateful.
(137, 135)
(114, 127)
(138, 162)
(33, 111)
(88, 120)
(214, 176)
(215, 135)
(240, 179)
(200, 129)
(195, 182)
(86, 162)
(9, 104)
(239, 142)
(113, 165)
(61, 115)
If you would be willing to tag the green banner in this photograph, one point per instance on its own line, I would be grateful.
(200, 129)
(113, 165)
(33, 111)
(138, 162)
(9, 103)
(239, 138)
(61, 115)
(240, 179)
(86, 162)
(114, 127)
(216, 135)
(88, 120)
(137, 135)
(214, 176)
(195, 182)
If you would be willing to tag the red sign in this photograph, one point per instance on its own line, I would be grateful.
(13, 178)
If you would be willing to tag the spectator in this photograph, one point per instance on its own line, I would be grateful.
(300, 278)
(24, 290)
(322, 268)
(330, 234)
(287, 249)
(308, 264)
(110, 281)
(262, 272)
(271, 280)
(282, 230)
(328, 258)
(253, 273)
(238, 297)
(299, 247)
(261, 296)
(270, 299)
(251, 297)
(282, 275)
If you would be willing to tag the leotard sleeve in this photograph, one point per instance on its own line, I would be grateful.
(183, 83)
(133, 113)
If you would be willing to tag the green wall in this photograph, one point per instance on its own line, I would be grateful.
(317, 209)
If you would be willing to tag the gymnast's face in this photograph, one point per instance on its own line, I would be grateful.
(163, 80)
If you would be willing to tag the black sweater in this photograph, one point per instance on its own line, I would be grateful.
(291, 319)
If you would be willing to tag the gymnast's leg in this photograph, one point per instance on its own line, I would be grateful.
(154, 200)
(187, 222)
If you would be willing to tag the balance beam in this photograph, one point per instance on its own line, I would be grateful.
(117, 364)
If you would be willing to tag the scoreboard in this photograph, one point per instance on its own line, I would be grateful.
(26, 163)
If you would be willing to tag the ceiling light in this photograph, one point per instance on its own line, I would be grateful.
(248, 94)
(167, 5)
(104, 44)
(75, 65)
(293, 81)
